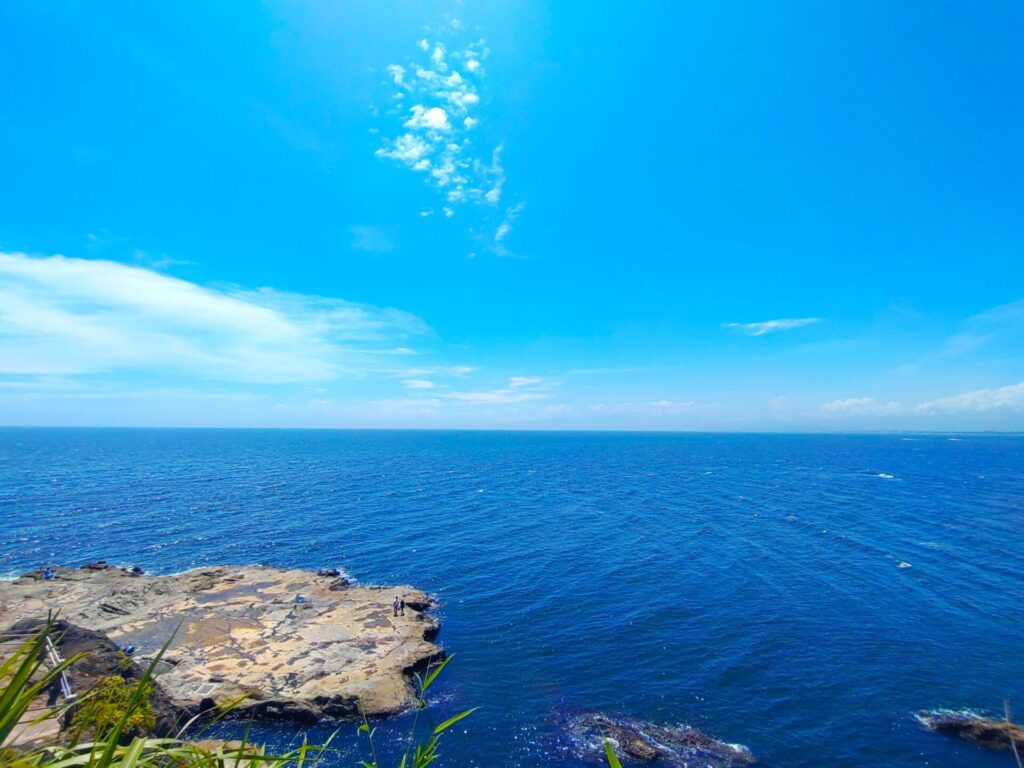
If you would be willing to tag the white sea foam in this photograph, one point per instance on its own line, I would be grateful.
(927, 716)
(884, 476)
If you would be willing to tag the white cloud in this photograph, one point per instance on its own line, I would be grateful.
(511, 214)
(434, 119)
(520, 389)
(418, 384)
(506, 225)
(497, 396)
(67, 316)
(437, 57)
(524, 381)
(497, 175)
(428, 373)
(860, 406)
(437, 128)
(773, 326)
(409, 149)
(397, 72)
(1008, 398)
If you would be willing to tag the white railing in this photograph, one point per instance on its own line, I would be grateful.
(53, 658)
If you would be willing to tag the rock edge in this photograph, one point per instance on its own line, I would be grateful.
(296, 644)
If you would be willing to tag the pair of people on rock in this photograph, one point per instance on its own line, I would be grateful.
(398, 606)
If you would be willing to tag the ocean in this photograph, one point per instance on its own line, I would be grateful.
(803, 595)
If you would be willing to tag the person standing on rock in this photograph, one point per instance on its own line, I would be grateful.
(396, 605)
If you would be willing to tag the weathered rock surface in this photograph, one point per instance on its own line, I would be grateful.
(639, 742)
(240, 631)
(988, 732)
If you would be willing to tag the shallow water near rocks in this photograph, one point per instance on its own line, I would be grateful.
(802, 595)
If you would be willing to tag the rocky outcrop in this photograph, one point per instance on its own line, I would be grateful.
(296, 644)
(100, 657)
(988, 732)
(635, 741)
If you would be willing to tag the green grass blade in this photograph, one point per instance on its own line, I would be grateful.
(613, 760)
(131, 757)
(453, 720)
(433, 675)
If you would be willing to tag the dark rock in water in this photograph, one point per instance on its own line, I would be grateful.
(639, 742)
(328, 572)
(102, 659)
(988, 732)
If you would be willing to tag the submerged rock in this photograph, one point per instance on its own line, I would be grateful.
(988, 732)
(238, 631)
(640, 742)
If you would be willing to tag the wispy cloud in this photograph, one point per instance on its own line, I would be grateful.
(1005, 322)
(520, 389)
(431, 372)
(860, 406)
(418, 384)
(505, 227)
(773, 326)
(649, 408)
(67, 316)
(524, 381)
(1008, 398)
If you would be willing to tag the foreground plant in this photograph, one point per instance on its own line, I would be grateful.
(20, 675)
(426, 753)
(112, 715)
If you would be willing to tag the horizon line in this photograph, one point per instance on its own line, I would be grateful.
(1005, 433)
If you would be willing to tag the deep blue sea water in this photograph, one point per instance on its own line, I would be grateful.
(746, 584)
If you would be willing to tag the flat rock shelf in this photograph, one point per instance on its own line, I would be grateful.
(297, 644)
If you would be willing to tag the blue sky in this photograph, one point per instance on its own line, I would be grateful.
(778, 216)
